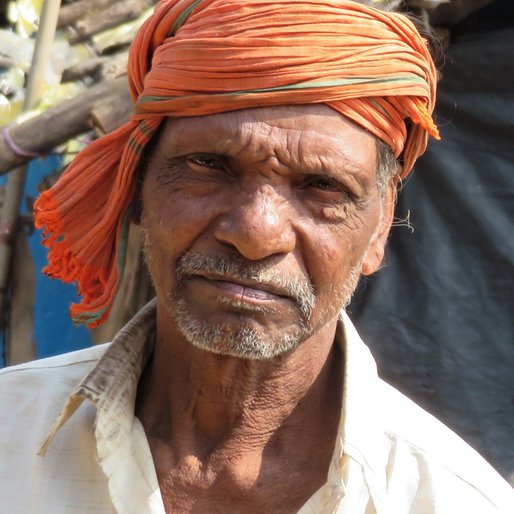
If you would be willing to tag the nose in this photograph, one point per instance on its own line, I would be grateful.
(258, 224)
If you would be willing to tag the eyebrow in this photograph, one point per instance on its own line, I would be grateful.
(216, 146)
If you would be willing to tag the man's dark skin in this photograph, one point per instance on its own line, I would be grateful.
(294, 188)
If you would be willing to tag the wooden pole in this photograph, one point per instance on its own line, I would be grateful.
(99, 68)
(62, 122)
(42, 51)
(107, 115)
(112, 16)
(70, 13)
(16, 181)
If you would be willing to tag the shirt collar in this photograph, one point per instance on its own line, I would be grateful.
(112, 384)
(112, 387)
(362, 429)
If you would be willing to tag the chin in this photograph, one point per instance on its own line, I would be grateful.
(243, 340)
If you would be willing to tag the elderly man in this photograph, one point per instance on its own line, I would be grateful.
(261, 162)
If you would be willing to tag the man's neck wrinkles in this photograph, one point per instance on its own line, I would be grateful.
(217, 399)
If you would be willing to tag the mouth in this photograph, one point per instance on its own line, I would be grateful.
(245, 286)
(240, 291)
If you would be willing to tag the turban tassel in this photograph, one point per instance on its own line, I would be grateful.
(200, 57)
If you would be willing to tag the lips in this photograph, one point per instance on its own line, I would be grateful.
(245, 290)
(244, 284)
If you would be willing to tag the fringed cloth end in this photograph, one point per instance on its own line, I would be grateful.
(97, 284)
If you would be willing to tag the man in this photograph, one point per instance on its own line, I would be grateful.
(261, 164)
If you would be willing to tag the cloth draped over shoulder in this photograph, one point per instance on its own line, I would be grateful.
(200, 57)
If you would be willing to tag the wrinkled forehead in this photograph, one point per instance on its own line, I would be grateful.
(298, 136)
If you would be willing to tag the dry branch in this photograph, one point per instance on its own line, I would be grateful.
(114, 15)
(115, 67)
(89, 68)
(57, 125)
(107, 115)
(99, 68)
(70, 13)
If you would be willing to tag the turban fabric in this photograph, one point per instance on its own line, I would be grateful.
(200, 57)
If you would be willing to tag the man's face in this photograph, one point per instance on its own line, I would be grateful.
(257, 224)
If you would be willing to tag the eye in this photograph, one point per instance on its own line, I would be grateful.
(327, 189)
(325, 184)
(206, 161)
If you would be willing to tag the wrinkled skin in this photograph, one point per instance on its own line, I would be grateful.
(282, 192)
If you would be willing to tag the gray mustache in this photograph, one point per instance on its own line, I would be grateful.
(299, 289)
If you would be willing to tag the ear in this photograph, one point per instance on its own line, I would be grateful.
(376, 250)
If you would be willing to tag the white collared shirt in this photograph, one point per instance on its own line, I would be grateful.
(390, 456)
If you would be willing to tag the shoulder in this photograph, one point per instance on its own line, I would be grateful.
(413, 462)
(448, 471)
(72, 360)
(31, 397)
(38, 376)
(32, 394)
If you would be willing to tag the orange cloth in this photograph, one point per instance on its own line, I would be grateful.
(199, 57)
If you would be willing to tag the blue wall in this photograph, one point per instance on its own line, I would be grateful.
(54, 332)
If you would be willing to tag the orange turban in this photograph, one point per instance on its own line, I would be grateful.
(199, 57)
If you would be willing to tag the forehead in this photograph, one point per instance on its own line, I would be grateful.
(293, 135)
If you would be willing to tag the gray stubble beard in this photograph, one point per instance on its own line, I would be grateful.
(245, 342)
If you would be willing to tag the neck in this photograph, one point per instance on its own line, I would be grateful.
(200, 402)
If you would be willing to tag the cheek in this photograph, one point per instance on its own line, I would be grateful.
(176, 220)
(330, 261)
(337, 249)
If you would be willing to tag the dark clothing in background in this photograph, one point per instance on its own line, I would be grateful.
(439, 317)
